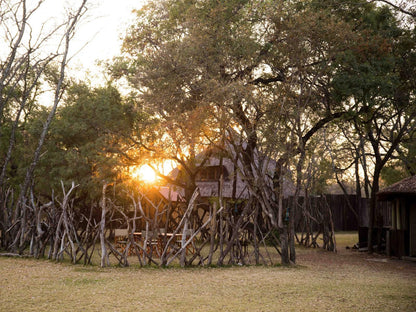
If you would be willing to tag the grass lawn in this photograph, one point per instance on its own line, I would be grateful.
(322, 281)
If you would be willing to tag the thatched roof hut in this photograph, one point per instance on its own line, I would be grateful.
(402, 233)
(403, 188)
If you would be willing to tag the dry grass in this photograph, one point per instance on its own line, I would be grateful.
(322, 281)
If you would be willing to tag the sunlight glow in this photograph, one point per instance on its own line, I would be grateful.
(144, 173)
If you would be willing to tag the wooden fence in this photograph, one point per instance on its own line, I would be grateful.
(349, 213)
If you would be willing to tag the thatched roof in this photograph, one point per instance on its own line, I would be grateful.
(209, 188)
(170, 194)
(405, 187)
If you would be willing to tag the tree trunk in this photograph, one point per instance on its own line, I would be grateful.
(104, 256)
(213, 230)
(373, 208)
(284, 248)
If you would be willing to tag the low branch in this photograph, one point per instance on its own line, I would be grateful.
(13, 255)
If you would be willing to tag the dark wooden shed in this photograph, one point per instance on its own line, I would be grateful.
(401, 240)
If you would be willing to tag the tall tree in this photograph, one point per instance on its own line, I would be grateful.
(276, 73)
(258, 68)
(22, 69)
(375, 77)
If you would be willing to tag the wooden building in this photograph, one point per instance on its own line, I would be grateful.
(233, 188)
(401, 239)
(233, 185)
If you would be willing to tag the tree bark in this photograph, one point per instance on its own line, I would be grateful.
(104, 255)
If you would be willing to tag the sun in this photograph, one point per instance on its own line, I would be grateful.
(144, 173)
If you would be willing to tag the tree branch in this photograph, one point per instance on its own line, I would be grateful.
(397, 7)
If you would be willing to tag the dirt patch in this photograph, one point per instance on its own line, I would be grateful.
(355, 259)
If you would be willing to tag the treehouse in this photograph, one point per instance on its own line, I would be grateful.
(401, 238)
(219, 174)
(212, 165)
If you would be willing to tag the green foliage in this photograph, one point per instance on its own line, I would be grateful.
(404, 164)
(365, 71)
(324, 174)
(87, 141)
(393, 173)
(185, 58)
(277, 71)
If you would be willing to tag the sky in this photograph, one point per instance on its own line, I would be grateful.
(98, 34)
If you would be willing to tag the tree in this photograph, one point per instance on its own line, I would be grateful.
(87, 142)
(375, 77)
(22, 70)
(268, 78)
(404, 7)
(240, 65)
